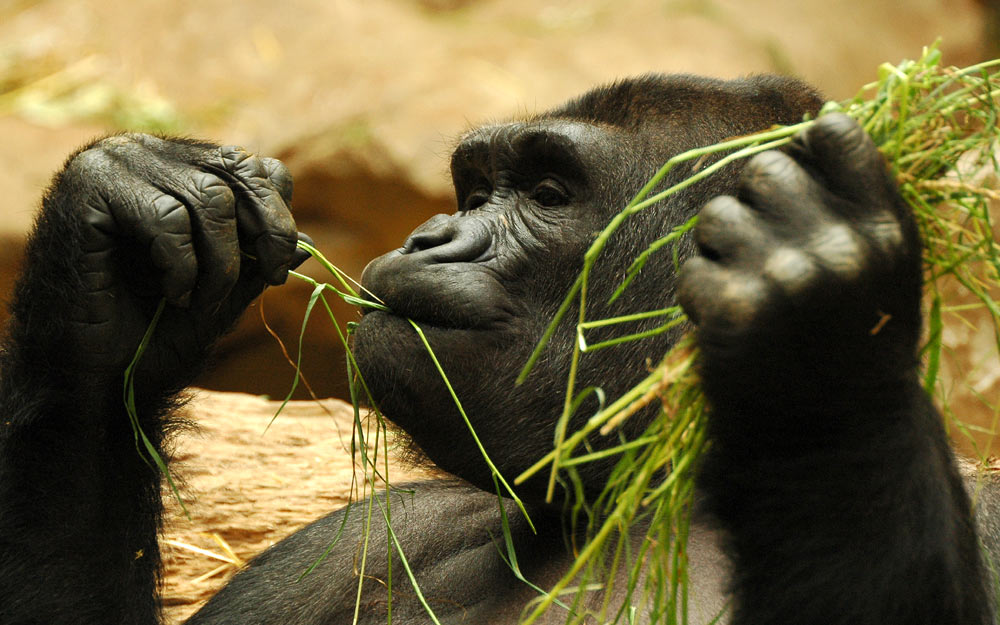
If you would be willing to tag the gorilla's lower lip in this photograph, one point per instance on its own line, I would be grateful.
(365, 310)
(439, 323)
(463, 312)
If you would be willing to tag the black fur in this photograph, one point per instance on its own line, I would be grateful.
(829, 486)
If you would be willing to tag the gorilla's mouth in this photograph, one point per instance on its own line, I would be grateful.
(460, 296)
(458, 318)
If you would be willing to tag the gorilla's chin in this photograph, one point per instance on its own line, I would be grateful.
(398, 368)
(480, 365)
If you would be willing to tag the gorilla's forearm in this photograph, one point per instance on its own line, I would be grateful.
(829, 466)
(131, 221)
(841, 509)
(76, 503)
(462, 576)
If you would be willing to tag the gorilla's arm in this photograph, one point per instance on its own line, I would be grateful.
(452, 536)
(829, 468)
(131, 220)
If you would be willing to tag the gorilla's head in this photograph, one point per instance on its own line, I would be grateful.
(484, 282)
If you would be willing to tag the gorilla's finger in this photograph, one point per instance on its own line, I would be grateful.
(213, 211)
(275, 252)
(846, 157)
(98, 302)
(718, 297)
(263, 218)
(727, 230)
(776, 186)
(301, 255)
(689, 281)
(280, 177)
(154, 215)
(167, 230)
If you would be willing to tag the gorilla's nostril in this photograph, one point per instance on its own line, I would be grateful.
(418, 242)
(436, 231)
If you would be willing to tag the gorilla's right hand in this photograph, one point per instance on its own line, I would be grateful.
(134, 219)
(807, 289)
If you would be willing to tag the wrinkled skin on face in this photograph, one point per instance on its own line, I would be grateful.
(484, 282)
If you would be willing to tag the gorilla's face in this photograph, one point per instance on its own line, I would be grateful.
(526, 206)
(484, 283)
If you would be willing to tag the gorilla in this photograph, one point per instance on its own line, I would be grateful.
(829, 493)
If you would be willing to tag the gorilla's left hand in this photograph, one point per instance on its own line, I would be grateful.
(134, 219)
(807, 285)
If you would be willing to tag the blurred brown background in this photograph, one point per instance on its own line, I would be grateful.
(362, 98)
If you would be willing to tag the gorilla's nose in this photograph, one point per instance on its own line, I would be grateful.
(441, 274)
(450, 239)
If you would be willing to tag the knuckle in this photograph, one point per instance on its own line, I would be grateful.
(169, 214)
(691, 274)
(168, 208)
(236, 159)
(165, 202)
(718, 297)
(94, 212)
(212, 192)
(276, 170)
(839, 249)
(836, 126)
(90, 162)
(102, 158)
(739, 301)
(267, 178)
(886, 233)
(844, 142)
(280, 176)
(124, 144)
(769, 166)
(724, 210)
(791, 269)
(278, 221)
(770, 177)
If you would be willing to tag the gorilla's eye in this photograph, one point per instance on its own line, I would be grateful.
(550, 193)
(475, 199)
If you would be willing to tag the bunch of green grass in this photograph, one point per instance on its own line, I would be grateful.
(937, 127)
